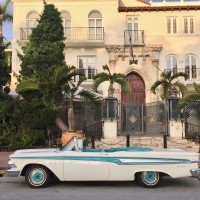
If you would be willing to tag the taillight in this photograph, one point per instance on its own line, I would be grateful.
(199, 162)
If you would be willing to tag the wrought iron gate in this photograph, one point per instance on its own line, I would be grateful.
(192, 120)
(86, 114)
(146, 119)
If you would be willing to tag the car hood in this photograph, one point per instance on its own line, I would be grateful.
(33, 151)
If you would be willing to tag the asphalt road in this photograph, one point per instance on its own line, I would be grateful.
(170, 189)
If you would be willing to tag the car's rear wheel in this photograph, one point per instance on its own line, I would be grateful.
(149, 179)
(37, 176)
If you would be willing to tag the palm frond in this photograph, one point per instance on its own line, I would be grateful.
(197, 88)
(97, 82)
(27, 85)
(155, 85)
(179, 74)
(4, 7)
(8, 17)
(105, 67)
(101, 75)
(118, 76)
(81, 80)
(65, 74)
(89, 96)
(167, 75)
(66, 88)
(188, 99)
(59, 74)
(181, 87)
(124, 85)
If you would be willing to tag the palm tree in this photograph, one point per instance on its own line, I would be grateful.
(167, 82)
(190, 98)
(73, 91)
(49, 88)
(4, 16)
(111, 78)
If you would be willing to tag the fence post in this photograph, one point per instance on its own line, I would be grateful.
(127, 140)
(199, 142)
(165, 141)
(93, 142)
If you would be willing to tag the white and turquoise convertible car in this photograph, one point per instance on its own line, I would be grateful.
(74, 163)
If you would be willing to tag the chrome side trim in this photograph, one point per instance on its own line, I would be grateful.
(195, 161)
(13, 172)
(195, 173)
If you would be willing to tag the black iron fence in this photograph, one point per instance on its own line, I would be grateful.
(192, 132)
(133, 37)
(94, 130)
(145, 119)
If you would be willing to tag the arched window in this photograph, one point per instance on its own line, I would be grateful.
(32, 19)
(171, 63)
(95, 26)
(190, 63)
(31, 22)
(66, 18)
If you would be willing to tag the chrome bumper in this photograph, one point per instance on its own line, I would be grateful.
(195, 173)
(13, 172)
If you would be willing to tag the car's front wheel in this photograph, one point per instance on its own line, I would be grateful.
(37, 176)
(149, 179)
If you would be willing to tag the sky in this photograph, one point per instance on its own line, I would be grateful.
(7, 26)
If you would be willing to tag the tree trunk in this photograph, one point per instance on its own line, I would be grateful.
(110, 91)
(71, 119)
(61, 125)
(49, 136)
(1, 24)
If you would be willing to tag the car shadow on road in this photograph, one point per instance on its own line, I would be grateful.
(166, 183)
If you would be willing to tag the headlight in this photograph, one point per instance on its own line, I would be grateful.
(11, 164)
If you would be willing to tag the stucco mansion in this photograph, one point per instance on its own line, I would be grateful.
(158, 34)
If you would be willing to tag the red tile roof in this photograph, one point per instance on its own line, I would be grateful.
(157, 8)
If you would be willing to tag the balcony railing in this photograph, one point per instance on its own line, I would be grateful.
(89, 74)
(72, 33)
(194, 73)
(133, 37)
(84, 33)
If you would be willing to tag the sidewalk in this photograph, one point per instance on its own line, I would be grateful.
(4, 158)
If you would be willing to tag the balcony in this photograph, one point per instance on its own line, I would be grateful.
(137, 37)
(194, 74)
(75, 36)
(89, 74)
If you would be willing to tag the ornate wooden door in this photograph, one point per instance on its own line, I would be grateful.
(137, 94)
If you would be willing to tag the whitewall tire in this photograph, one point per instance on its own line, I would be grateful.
(37, 176)
(149, 179)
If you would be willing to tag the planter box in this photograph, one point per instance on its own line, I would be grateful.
(66, 136)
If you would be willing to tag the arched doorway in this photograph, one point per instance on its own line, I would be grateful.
(137, 93)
